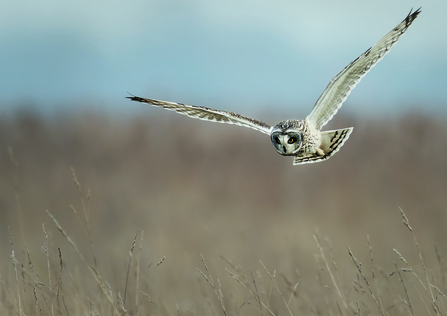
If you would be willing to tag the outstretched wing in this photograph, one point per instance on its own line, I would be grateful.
(207, 114)
(341, 85)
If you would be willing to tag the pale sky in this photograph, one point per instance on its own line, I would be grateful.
(239, 55)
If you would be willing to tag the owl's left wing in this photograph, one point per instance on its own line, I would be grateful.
(342, 84)
(207, 114)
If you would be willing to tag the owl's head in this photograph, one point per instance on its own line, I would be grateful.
(286, 140)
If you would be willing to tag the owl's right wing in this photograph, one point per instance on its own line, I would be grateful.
(342, 84)
(207, 114)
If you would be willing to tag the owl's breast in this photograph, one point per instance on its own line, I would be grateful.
(311, 139)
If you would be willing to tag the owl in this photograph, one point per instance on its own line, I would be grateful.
(304, 139)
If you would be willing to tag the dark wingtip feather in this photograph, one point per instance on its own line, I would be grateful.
(409, 19)
(134, 98)
(412, 16)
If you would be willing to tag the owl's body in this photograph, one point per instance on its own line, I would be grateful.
(315, 145)
(304, 139)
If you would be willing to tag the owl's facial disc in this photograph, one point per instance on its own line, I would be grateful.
(286, 143)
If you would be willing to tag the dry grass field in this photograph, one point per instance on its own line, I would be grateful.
(164, 215)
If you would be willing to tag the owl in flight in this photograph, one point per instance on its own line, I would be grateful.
(304, 139)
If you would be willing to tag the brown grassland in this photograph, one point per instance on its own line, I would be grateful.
(164, 215)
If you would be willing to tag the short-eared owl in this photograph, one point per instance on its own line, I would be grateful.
(304, 139)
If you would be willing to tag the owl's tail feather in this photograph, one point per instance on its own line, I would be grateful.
(331, 142)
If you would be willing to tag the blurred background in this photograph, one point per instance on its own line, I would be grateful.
(241, 55)
(214, 189)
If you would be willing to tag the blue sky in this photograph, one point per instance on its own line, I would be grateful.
(244, 56)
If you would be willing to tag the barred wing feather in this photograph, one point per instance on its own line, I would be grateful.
(207, 114)
(342, 84)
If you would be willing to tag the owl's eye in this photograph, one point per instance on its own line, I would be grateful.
(291, 140)
(277, 140)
